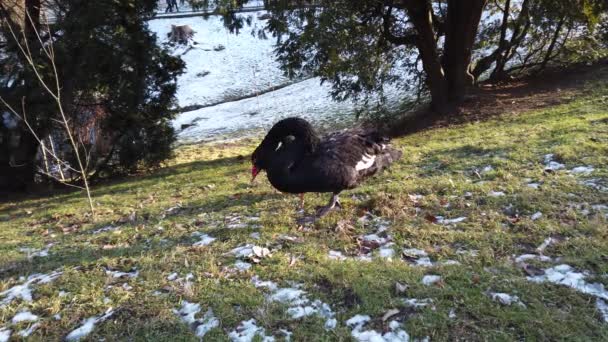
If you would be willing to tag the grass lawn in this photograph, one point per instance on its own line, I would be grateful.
(162, 259)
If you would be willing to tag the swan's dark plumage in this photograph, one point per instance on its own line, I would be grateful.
(297, 161)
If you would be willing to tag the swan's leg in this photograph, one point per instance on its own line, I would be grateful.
(333, 202)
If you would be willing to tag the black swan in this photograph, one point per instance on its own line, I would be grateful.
(297, 161)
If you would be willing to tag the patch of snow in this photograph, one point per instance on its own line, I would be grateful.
(552, 165)
(506, 299)
(533, 185)
(5, 334)
(525, 257)
(27, 332)
(87, 327)
(119, 274)
(24, 316)
(375, 238)
(548, 241)
(396, 334)
(247, 331)
(208, 322)
(386, 252)
(336, 255)
(430, 279)
(288, 295)
(444, 221)
(472, 252)
(242, 266)
(34, 252)
(108, 228)
(414, 252)
(24, 291)
(585, 170)
(449, 262)
(417, 303)
(496, 193)
(567, 276)
(358, 320)
(602, 307)
(299, 303)
(487, 169)
(287, 334)
(452, 314)
(536, 216)
(243, 251)
(172, 276)
(595, 184)
(200, 326)
(272, 286)
(204, 240)
(246, 65)
(424, 262)
(255, 235)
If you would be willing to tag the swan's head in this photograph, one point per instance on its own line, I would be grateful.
(257, 163)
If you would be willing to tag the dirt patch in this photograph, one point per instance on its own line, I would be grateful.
(513, 97)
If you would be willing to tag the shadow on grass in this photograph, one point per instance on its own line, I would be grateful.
(14, 206)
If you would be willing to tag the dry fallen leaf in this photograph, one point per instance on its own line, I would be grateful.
(430, 218)
(390, 313)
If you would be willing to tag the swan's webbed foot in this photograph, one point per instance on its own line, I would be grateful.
(334, 204)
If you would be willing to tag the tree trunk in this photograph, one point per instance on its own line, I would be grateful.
(461, 29)
(547, 58)
(18, 165)
(32, 18)
(501, 58)
(420, 13)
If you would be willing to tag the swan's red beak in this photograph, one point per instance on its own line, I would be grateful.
(254, 173)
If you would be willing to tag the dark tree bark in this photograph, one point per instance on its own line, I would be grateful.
(420, 13)
(461, 29)
(32, 18)
(18, 166)
(505, 51)
(558, 30)
(501, 58)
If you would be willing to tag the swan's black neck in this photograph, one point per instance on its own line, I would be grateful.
(302, 131)
(285, 145)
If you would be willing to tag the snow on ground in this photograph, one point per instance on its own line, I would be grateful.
(87, 327)
(299, 304)
(430, 279)
(204, 239)
(567, 276)
(306, 99)
(27, 332)
(24, 291)
(247, 331)
(506, 299)
(34, 252)
(245, 66)
(5, 335)
(396, 334)
(24, 316)
(200, 326)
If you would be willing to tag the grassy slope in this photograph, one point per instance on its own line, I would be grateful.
(212, 182)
